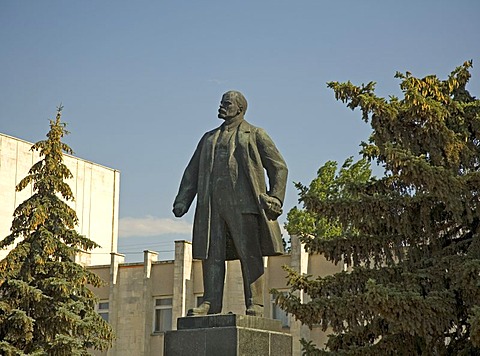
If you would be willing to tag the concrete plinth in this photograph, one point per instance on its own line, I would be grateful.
(227, 335)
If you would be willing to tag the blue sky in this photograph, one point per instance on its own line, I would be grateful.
(141, 81)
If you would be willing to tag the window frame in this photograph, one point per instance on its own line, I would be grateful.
(159, 308)
(284, 317)
(199, 299)
(103, 311)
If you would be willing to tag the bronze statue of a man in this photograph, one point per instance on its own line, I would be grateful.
(236, 212)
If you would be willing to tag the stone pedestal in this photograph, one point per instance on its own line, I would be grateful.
(227, 335)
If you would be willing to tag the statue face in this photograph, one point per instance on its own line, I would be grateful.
(228, 107)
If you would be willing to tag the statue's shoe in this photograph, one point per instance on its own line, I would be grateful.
(202, 309)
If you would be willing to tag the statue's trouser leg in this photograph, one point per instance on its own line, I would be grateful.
(214, 265)
(257, 289)
(244, 230)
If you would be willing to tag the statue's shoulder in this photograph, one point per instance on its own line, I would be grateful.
(210, 133)
(248, 127)
(257, 131)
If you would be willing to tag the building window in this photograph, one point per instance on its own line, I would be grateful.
(162, 315)
(102, 309)
(280, 314)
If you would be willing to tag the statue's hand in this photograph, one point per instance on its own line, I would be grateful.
(271, 205)
(179, 210)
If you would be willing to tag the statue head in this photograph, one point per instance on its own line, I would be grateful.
(232, 105)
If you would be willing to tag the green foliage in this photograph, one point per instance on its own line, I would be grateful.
(410, 239)
(45, 305)
(328, 185)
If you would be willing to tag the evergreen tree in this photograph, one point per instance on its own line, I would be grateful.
(410, 238)
(46, 307)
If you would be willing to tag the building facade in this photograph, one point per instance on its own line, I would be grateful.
(143, 300)
(95, 188)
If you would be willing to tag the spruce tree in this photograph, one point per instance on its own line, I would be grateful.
(410, 239)
(46, 307)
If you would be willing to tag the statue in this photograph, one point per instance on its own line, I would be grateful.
(236, 216)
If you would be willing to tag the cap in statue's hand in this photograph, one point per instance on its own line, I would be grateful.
(271, 205)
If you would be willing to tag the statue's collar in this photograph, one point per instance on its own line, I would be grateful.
(232, 124)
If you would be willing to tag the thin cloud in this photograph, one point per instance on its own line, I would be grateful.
(217, 81)
(152, 226)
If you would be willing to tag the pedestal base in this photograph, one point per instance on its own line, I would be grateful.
(227, 335)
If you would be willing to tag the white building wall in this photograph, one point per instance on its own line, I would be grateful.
(95, 188)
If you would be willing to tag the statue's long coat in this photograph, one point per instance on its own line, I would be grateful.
(252, 148)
